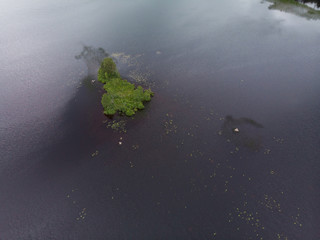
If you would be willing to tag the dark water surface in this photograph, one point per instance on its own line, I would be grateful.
(181, 171)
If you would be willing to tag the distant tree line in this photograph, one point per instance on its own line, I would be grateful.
(317, 2)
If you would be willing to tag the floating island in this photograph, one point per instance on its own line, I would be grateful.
(121, 96)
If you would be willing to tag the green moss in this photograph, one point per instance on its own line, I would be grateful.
(121, 96)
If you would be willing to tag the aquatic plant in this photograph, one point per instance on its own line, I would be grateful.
(121, 96)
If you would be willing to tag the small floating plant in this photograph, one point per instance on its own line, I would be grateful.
(121, 96)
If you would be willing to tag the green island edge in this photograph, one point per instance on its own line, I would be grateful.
(294, 3)
(121, 96)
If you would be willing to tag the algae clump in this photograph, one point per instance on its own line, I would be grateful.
(121, 96)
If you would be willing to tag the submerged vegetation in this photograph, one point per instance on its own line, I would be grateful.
(121, 95)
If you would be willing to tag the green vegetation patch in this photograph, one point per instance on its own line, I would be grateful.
(121, 95)
(294, 7)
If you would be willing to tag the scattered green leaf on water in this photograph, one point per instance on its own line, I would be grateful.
(135, 147)
(169, 125)
(82, 214)
(281, 236)
(72, 198)
(95, 153)
(278, 140)
(118, 126)
(131, 164)
(296, 219)
(139, 74)
(267, 151)
(122, 57)
(270, 203)
(251, 218)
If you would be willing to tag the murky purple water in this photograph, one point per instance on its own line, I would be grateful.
(181, 171)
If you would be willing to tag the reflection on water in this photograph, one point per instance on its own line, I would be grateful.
(92, 57)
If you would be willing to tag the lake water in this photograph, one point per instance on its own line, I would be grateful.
(180, 171)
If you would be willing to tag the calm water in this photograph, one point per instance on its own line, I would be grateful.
(180, 172)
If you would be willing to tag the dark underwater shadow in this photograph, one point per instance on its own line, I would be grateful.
(80, 128)
(82, 116)
(242, 132)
